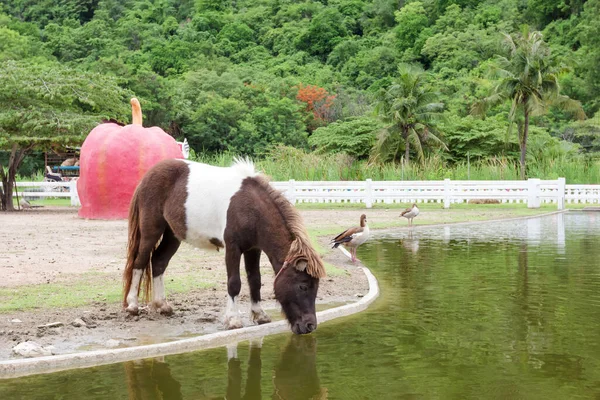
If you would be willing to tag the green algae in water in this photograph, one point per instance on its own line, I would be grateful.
(500, 310)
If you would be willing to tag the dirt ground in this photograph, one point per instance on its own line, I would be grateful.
(52, 245)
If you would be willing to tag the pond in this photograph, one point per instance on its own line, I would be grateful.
(499, 310)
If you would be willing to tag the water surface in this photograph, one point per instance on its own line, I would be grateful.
(500, 310)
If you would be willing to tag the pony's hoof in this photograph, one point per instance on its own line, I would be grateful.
(261, 318)
(234, 323)
(133, 309)
(165, 310)
(162, 308)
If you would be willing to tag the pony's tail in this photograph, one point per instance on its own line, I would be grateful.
(133, 246)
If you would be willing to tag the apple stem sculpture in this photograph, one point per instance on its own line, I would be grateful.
(136, 112)
(114, 159)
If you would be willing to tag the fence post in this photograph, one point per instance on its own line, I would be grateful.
(369, 194)
(447, 194)
(562, 188)
(74, 194)
(533, 193)
(292, 191)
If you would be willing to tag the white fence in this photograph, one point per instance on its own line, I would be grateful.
(40, 190)
(532, 192)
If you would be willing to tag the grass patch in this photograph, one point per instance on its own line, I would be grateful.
(86, 289)
(332, 270)
(50, 202)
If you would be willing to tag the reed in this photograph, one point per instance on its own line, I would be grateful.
(284, 163)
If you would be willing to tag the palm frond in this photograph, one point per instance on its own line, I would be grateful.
(416, 140)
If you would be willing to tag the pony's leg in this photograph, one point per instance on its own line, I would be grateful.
(234, 284)
(139, 266)
(252, 264)
(254, 374)
(151, 232)
(234, 373)
(160, 259)
(132, 295)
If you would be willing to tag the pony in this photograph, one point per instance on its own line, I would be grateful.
(212, 208)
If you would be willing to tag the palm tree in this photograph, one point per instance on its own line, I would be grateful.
(410, 109)
(528, 77)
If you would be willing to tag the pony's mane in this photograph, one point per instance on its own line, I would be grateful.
(300, 247)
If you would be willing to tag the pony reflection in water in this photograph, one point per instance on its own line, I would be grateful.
(294, 376)
(212, 208)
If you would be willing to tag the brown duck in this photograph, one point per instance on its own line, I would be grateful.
(410, 213)
(353, 237)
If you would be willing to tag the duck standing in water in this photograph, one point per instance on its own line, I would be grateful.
(410, 213)
(353, 237)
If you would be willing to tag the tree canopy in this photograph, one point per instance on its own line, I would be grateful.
(45, 105)
(238, 76)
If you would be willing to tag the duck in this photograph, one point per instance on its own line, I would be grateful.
(410, 213)
(351, 238)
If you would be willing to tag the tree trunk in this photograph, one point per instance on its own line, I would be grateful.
(406, 146)
(4, 185)
(523, 143)
(9, 177)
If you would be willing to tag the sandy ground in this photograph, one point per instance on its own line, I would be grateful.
(49, 245)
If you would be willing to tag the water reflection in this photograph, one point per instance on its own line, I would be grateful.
(151, 379)
(410, 242)
(536, 231)
(296, 372)
(294, 376)
(497, 310)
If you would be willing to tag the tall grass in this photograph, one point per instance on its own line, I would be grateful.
(284, 163)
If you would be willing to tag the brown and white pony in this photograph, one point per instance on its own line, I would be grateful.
(211, 208)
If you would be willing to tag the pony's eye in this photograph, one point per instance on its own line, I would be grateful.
(304, 288)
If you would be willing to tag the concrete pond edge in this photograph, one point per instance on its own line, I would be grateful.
(48, 364)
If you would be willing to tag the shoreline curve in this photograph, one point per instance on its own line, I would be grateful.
(49, 364)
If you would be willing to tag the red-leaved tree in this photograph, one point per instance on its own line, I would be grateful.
(318, 101)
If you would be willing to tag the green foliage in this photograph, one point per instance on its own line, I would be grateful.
(14, 46)
(588, 35)
(528, 79)
(49, 104)
(410, 111)
(477, 138)
(224, 113)
(457, 43)
(585, 133)
(224, 73)
(411, 21)
(325, 31)
(354, 137)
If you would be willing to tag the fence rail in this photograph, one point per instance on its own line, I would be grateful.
(38, 190)
(532, 192)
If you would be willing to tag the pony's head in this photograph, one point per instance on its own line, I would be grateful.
(296, 285)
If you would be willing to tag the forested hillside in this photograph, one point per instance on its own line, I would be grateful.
(381, 80)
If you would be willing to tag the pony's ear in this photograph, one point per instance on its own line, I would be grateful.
(301, 264)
